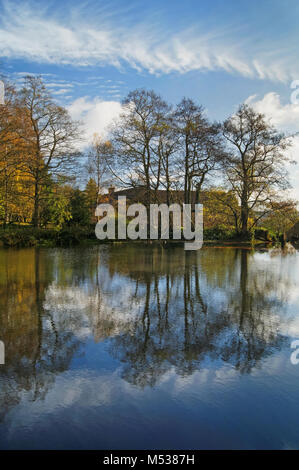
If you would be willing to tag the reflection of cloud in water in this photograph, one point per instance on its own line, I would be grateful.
(235, 311)
(84, 390)
(92, 306)
(168, 316)
(205, 333)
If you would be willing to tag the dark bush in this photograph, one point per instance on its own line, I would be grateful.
(30, 236)
(219, 233)
(261, 233)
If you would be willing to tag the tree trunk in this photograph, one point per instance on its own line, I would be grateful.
(186, 182)
(244, 220)
(6, 203)
(35, 218)
(244, 212)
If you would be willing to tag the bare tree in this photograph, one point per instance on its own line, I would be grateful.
(200, 149)
(136, 138)
(166, 153)
(255, 168)
(98, 159)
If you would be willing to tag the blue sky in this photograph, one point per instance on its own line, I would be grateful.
(220, 53)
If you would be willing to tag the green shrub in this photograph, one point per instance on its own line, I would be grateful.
(74, 235)
(261, 233)
(219, 233)
(18, 238)
(30, 236)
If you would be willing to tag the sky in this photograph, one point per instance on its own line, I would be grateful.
(219, 53)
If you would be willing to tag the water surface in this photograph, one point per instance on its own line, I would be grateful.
(134, 346)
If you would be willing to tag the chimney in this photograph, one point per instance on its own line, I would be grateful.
(111, 190)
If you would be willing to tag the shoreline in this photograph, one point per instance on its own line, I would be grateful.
(69, 243)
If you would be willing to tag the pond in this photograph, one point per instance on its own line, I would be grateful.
(130, 346)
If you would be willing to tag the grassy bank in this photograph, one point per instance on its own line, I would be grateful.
(26, 236)
(30, 236)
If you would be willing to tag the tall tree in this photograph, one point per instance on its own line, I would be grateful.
(166, 152)
(136, 141)
(50, 136)
(97, 161)
(13, 185)
(200, 149)
(256, 167)
(92, 198)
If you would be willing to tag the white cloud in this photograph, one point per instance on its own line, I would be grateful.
(42, 36)
(95, 114)
(284, 116)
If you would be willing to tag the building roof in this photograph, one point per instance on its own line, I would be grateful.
(139, 194)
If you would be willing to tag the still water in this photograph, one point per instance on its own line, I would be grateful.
(127, 347)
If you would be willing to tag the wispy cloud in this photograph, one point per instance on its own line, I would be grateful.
(61, 91)
(60, 85)
(41, 35)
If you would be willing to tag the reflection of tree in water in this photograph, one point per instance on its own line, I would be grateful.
(37, 348)
(180, 326)
(158, 308)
